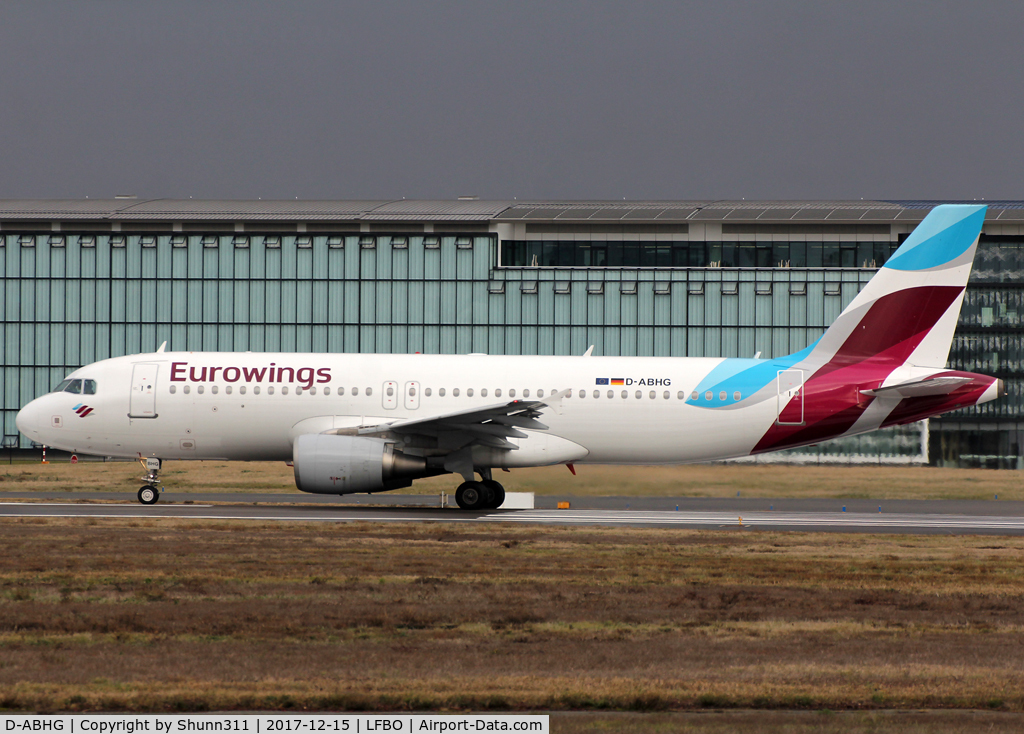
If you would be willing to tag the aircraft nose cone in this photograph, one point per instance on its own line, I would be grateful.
(28, 419)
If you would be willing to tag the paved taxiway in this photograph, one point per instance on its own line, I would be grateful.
(898, 516)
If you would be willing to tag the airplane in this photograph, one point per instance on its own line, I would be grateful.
(376, 422)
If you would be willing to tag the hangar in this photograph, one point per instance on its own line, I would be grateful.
(88, 279)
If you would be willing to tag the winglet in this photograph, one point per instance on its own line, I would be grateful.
(161, 348)
(554, 401)
(589, 352)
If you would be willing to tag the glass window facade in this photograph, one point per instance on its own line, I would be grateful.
(652, 254)
(85, 296)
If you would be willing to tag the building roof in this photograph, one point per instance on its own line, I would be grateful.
(124, 209)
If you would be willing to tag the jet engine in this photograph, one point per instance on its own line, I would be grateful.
(330, 464)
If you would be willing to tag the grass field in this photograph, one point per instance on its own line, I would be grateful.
(611, 630)
(699, 480)
(186, 616)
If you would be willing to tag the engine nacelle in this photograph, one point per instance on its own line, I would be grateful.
(330, 464)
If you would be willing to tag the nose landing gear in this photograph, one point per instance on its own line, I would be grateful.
(149, 494)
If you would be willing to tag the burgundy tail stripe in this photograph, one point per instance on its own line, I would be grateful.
(897, 318)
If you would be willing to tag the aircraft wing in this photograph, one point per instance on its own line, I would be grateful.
(919, 388)
(490, 426)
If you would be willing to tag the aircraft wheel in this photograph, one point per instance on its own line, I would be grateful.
(496, 494)
(471, 496)
(148, 495)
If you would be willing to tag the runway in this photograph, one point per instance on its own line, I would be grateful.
(1009, 521)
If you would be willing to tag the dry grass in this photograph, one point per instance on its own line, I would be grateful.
(177, 615)
(789, 722)
(698, 480)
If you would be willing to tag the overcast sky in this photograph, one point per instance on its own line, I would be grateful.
(548, 100)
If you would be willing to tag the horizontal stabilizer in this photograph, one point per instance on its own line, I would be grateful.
(919, 388)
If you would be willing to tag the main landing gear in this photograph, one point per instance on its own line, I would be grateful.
(483, 495)
(149, 494)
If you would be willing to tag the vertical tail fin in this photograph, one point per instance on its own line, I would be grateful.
(908, 311)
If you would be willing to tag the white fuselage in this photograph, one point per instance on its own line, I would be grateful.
(217, 405)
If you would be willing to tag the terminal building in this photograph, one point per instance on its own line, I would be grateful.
(83, 280)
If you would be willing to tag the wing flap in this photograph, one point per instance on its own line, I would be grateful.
(488, 426)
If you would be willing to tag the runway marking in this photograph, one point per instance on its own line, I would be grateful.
(368, 518)
(788, 520)
(86, 504)
(751, 519)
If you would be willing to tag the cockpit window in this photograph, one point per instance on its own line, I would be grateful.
(78, 387)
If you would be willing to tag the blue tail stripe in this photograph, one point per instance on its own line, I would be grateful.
(745, 376)
(944, 235)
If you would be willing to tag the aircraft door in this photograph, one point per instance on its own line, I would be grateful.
(142, 403)
(412, 395)
(791, 398)
(390, 395)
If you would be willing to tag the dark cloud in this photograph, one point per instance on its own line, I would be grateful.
(532, 99)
